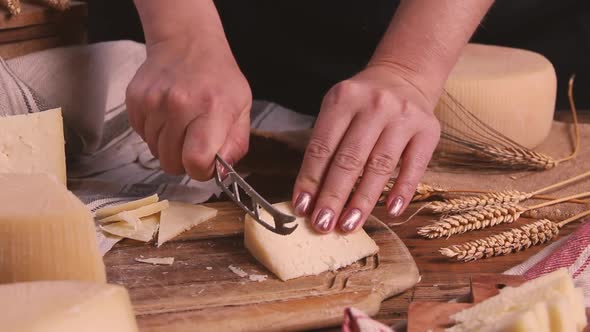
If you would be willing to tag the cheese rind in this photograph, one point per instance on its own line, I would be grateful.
(112, 210)
(180, 217)
(46, 233)
(33, 143)
(304, 252)
(65, 306)
(512, 90)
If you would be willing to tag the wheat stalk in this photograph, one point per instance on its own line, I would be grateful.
(13, 6)
(510, 241)
(486, 216)
(517, 157)
(423, 191)
(504, 243)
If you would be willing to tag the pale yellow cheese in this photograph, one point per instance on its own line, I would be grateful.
(560, 315)
(46, 233)
(180, 217)
(147, 226)
(132, 216)
(304, 252)
(525, 321)
(65, 306)
(33, 143)
(511, 90)
(112, 210)
(156, 260)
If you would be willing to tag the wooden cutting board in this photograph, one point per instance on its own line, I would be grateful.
(200, 292)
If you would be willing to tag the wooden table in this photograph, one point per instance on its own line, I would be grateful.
(442, 279)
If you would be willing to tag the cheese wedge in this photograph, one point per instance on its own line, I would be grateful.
(304, 252)
(46, 233)
(147, 226)
(133, 205)
(33, 143)
(132, 216)
(512, 90)
(65, 306)
(180, 217)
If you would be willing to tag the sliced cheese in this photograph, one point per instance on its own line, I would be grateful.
(65, 306)
(511, 90)
(579, 308)
(145, 231)
(33, 143)
(560, 315)
(156, 260)
(518, 298)
(112, 210)
(132, 216)
(46, 233)
(180, 217)
(304, 252)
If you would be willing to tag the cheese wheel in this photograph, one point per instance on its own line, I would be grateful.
(511, 90)
(65, 306)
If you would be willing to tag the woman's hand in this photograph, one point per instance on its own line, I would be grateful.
(366, 125)
(189, 101)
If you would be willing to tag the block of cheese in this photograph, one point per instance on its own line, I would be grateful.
(517, 298)
(112, 210)
(147, 227)
(511, 90)
(524, 321)
(46, 233)
(65, 306)
(304, 252)
(33, 143)
(180, 217)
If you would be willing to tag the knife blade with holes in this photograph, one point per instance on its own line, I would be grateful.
(231, 183)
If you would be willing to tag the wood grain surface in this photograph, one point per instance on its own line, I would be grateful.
(200, 291)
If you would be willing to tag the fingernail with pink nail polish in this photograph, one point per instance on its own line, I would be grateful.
(396, 206)
(351, 220)
(302, 204)
(324, 219)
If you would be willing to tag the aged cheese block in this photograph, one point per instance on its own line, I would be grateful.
(65, 306)
(144, 232)
(180, 217)
(304, 252)
(46, 233)
(112, 210)
(512, 90)
(33, 143)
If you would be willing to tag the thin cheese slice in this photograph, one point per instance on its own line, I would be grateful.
(156, 260)
(145, 231)
(304, 252)
(33, 143)
(518, 298)
(65, 306)
(180, 217)
(112, 210)
(512, 90)
(46, 233)
(132, 216)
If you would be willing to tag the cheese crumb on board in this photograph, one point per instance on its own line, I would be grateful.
(145, 231)
(180, 217)
(112, 210)
(209, 268)
(156, 260)
(238, 271)
(46, 233)
(65, 306)
(512, 90)
(33, 143)
(304, 252)
(258, 277)
(548, 303)
(130, 216)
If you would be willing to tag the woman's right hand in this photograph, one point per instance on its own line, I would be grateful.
(190, 101)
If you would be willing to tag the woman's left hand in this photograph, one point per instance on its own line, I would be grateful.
(366, 125)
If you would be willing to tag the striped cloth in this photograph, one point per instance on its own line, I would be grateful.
(107, 161)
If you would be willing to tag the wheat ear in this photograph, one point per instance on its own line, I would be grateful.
(510, 241)
(13, 6)
(487, 216)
